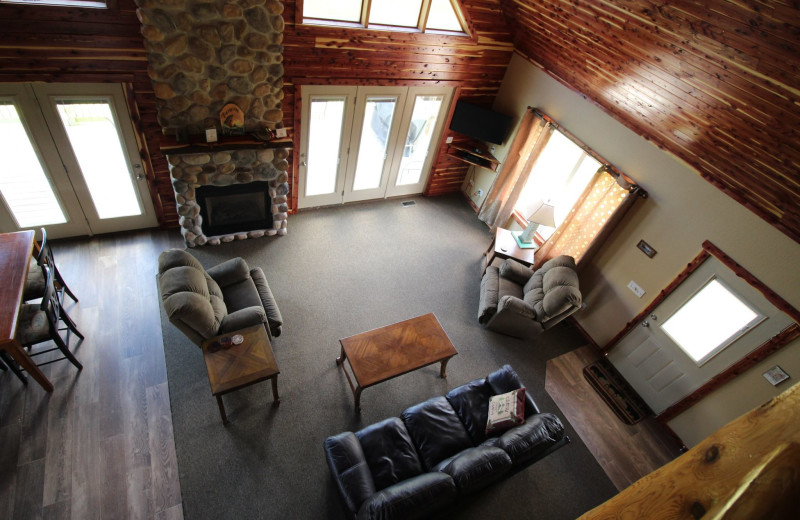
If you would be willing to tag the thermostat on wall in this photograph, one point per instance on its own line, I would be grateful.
(211, 135)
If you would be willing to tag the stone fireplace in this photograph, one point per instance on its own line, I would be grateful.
(203, 55)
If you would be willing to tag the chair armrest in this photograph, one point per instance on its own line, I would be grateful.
(274, 317)
(242, 319)
(229, 272)
(516, 272)
(514, 304)
(490, 293)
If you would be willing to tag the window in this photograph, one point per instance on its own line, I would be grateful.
(558, 177)
(440, 16)
(98, 4)
(713, 318)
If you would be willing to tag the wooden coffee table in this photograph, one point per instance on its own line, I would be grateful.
(237, 366)
(382, 354)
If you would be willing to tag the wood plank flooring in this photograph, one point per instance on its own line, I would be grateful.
(101, 445)
(625, 452)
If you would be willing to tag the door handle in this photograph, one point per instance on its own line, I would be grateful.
(645, 324)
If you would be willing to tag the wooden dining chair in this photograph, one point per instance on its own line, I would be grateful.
(42, 322)
(35, 283)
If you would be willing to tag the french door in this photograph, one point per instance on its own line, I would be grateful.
(360, 143)
(70, 161)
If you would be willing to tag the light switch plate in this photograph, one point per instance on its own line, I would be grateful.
(211, 135)
(280, 132)
(635, 289)
(449, 139)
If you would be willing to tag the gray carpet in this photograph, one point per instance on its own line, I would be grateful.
(338, 272)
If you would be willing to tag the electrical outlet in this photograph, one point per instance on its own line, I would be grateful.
(449, 139)
(479, 193)
(635, 289)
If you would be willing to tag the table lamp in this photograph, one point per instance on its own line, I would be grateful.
(542, 216)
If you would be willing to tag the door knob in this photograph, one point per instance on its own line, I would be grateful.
(645, 324)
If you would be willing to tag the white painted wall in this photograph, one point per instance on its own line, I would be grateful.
(682, 211)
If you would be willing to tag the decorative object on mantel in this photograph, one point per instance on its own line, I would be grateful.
(231, 118)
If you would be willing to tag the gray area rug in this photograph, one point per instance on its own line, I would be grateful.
(339, 272)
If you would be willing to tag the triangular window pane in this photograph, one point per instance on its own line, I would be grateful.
(342, 10)
(442, 17)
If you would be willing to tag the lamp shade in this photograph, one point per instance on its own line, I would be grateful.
(543, 215)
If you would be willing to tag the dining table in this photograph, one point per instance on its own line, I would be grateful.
(15, 258)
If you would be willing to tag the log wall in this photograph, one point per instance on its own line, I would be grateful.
(63, 44)
(714, 82)
(66, 44)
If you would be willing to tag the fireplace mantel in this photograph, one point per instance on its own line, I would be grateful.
(169, 146)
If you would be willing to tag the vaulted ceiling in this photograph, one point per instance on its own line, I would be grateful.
(714, 82)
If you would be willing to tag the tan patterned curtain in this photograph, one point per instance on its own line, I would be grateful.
(532, 136)
(601, 205)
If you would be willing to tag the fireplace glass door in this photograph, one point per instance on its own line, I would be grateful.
(69, 152)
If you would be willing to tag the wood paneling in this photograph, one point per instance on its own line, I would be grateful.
(316, 55)
(64, 44)
(714, 82)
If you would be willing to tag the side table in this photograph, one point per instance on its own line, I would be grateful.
(504, 245)
(231, 367)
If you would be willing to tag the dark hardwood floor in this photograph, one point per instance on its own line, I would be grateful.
(625, 452)
(101, 445)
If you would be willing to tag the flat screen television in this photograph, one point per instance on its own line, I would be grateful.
(480, 123)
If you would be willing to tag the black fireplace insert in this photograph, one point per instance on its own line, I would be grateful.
(234, 209)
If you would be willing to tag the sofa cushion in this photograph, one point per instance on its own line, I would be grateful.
(416, 498)
(239, 295)
(351, 473)
(436, 431)
(389, 453)
(539, 432)
(177, 258)
(505, 380)
(231, 271)
(476, 468)
(471, 403)
(560, 290)
(506, 411)
(534, 294)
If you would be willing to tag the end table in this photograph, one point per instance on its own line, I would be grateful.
(504, 245)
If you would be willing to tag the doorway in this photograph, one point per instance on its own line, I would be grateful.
(70, 161)
(362, 143)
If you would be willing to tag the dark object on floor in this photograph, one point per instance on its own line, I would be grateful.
(519, 302)
(437, 451)
(616, 392)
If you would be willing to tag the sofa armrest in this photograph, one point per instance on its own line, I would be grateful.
(274, 317)
(242, 319)
(229, 272)
(349, 469)
(515, 271)
(417, 497)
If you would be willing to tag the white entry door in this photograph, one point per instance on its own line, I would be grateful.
(709, 322)
(70, 161)
(361, 143)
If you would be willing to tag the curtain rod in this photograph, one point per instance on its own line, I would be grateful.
(610, 168)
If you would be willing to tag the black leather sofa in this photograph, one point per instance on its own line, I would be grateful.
(418, 464)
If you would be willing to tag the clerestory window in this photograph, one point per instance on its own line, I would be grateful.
(433, 16)
(95, 4)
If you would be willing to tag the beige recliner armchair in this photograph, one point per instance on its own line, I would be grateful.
(522, 303)
(226, 298)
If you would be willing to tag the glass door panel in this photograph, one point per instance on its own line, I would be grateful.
(378, 116)
(24, 185)
(95, 141)
(324, 143)
(418, 139)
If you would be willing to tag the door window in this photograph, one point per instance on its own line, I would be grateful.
(375, 131)
(713, 318)
(25, 188)
(324, 141)
(418, 138)
(92, 133)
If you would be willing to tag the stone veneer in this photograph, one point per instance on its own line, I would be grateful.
(223, 168)
(202, 55)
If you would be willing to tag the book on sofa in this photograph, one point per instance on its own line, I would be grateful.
(417, 464)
